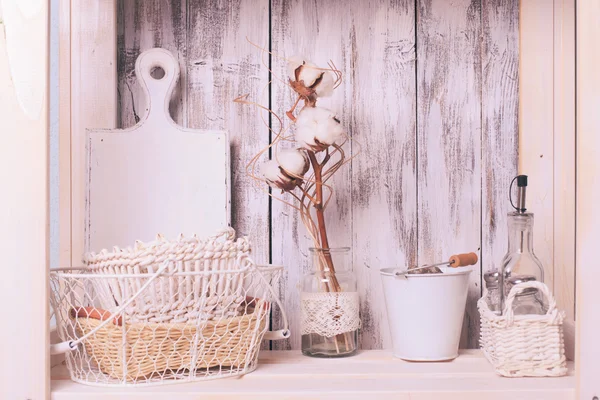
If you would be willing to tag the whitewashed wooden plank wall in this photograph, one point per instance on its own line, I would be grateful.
(449, 136)
(303, 27)
(430, 92)
(499, 144)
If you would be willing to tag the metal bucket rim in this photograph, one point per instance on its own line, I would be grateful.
(447, 272)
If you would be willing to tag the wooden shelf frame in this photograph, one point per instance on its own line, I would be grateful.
(24, 198)
(369, 375)
(92, 29)
(588, 199)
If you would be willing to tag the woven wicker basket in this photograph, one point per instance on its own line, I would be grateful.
(141, 350)
(186, 298)
(524, 345)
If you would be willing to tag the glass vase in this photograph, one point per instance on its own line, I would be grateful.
(329, 305)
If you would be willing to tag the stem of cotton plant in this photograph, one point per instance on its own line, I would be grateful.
(318, 205)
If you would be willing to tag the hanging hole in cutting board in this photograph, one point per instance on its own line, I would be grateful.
(157, 73)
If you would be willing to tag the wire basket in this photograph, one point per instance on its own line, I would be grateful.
(158, 321)
(524, 345)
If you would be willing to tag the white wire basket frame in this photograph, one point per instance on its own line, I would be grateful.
(108, 346)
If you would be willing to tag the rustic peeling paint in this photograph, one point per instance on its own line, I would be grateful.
(449, 137)
(429, 93)
(500, 91)
(143, 25)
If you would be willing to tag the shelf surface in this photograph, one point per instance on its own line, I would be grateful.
(373, 374)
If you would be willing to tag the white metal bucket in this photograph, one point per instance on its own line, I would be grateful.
(425, 312)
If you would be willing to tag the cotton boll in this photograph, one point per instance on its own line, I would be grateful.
(293, 161)
(271, 171)
(325, 87)
(305, 136)
(317, 128)
(309, 78)
(275, 176)
(306, 71)
(294, 63)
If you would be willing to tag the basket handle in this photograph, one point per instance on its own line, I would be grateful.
(518, 288)
(63, 347)
(281, 333)
(227, 233)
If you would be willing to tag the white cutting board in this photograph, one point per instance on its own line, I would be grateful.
(155, 177)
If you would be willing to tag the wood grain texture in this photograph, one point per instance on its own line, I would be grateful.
(499, 113)
(564, 155)
(143, 25)
(368, 375)
(442, 127)
(588, 196)
(222, 65)
(64, 133)
(93, 97)
(536, 123)
(24, 234)
(208, 39)
(383, 120)
(449, 138)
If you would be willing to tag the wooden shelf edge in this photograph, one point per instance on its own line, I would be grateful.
(375, 373)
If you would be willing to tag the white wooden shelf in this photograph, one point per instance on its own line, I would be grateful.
(370, 374)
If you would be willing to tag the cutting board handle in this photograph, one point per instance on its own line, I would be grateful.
(158, 87)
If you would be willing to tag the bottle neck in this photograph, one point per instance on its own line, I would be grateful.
(520, 241)
(520, 233)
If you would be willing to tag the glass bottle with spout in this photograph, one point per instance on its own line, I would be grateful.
(520, 260)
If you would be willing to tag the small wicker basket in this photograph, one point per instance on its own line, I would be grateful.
(524, 345)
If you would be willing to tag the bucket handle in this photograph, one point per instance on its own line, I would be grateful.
(63, 347)
(281, 333)
(542, 288)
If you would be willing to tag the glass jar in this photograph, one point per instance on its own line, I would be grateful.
(329, 305)
(492, 296)
(520, 258)
(529, 300)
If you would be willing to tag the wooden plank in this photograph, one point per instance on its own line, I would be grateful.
(499, 132)
(384, 196)
(334, 389)
(536, 123)
(369, 364)
(370, 374)
(327, 33)
(64, 133)
(94, 86)
(569, 332)
(24, 234)
(222, 66)
(588, 198)
(143, 25)
(564, 155)
(449, 139)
